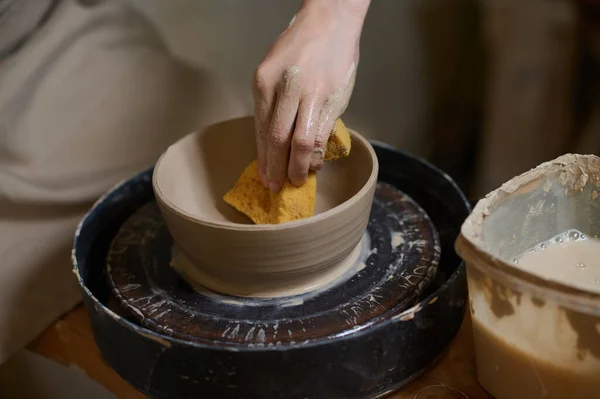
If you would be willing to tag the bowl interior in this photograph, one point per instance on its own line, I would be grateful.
(194, 173)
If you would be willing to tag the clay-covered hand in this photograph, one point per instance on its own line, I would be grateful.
(303, 85)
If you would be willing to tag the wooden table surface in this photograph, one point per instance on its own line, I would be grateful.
(70, 341)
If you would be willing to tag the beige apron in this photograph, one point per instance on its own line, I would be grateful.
(92, 97)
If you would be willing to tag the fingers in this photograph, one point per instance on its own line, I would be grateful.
(281, 128)
(264, 102)
(303, 140)
(291, 133)
(325, 125)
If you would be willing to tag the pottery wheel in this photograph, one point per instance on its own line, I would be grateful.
(399, 258)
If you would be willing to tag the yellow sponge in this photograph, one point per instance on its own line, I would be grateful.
(339, 143)
(249, 196)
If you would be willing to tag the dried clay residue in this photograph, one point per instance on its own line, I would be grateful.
(572, 171)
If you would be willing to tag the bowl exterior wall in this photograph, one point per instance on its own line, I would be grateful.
(240, 257)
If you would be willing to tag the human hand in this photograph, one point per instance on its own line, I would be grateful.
(303, 85)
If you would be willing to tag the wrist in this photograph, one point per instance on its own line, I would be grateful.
(352, 11)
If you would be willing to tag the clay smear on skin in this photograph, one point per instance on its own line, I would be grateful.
(334, 105)
(289, 25)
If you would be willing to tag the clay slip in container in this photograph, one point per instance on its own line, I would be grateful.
(220, 249)
(534, 337)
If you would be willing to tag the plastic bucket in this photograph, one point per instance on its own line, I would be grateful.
(535, 337)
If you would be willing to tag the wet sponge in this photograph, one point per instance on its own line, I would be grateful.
(249, 196)
(339, 143)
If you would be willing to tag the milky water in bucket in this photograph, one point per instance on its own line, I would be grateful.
(535, 319)
(570, 257)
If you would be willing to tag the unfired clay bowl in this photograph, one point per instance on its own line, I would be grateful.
(220, 249)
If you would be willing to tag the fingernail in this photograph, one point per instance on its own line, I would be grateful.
(274, 187)
(298, 182)
(261, 175)
(316, 166)
(263, 180)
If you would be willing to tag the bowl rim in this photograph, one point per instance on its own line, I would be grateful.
(370, 183)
